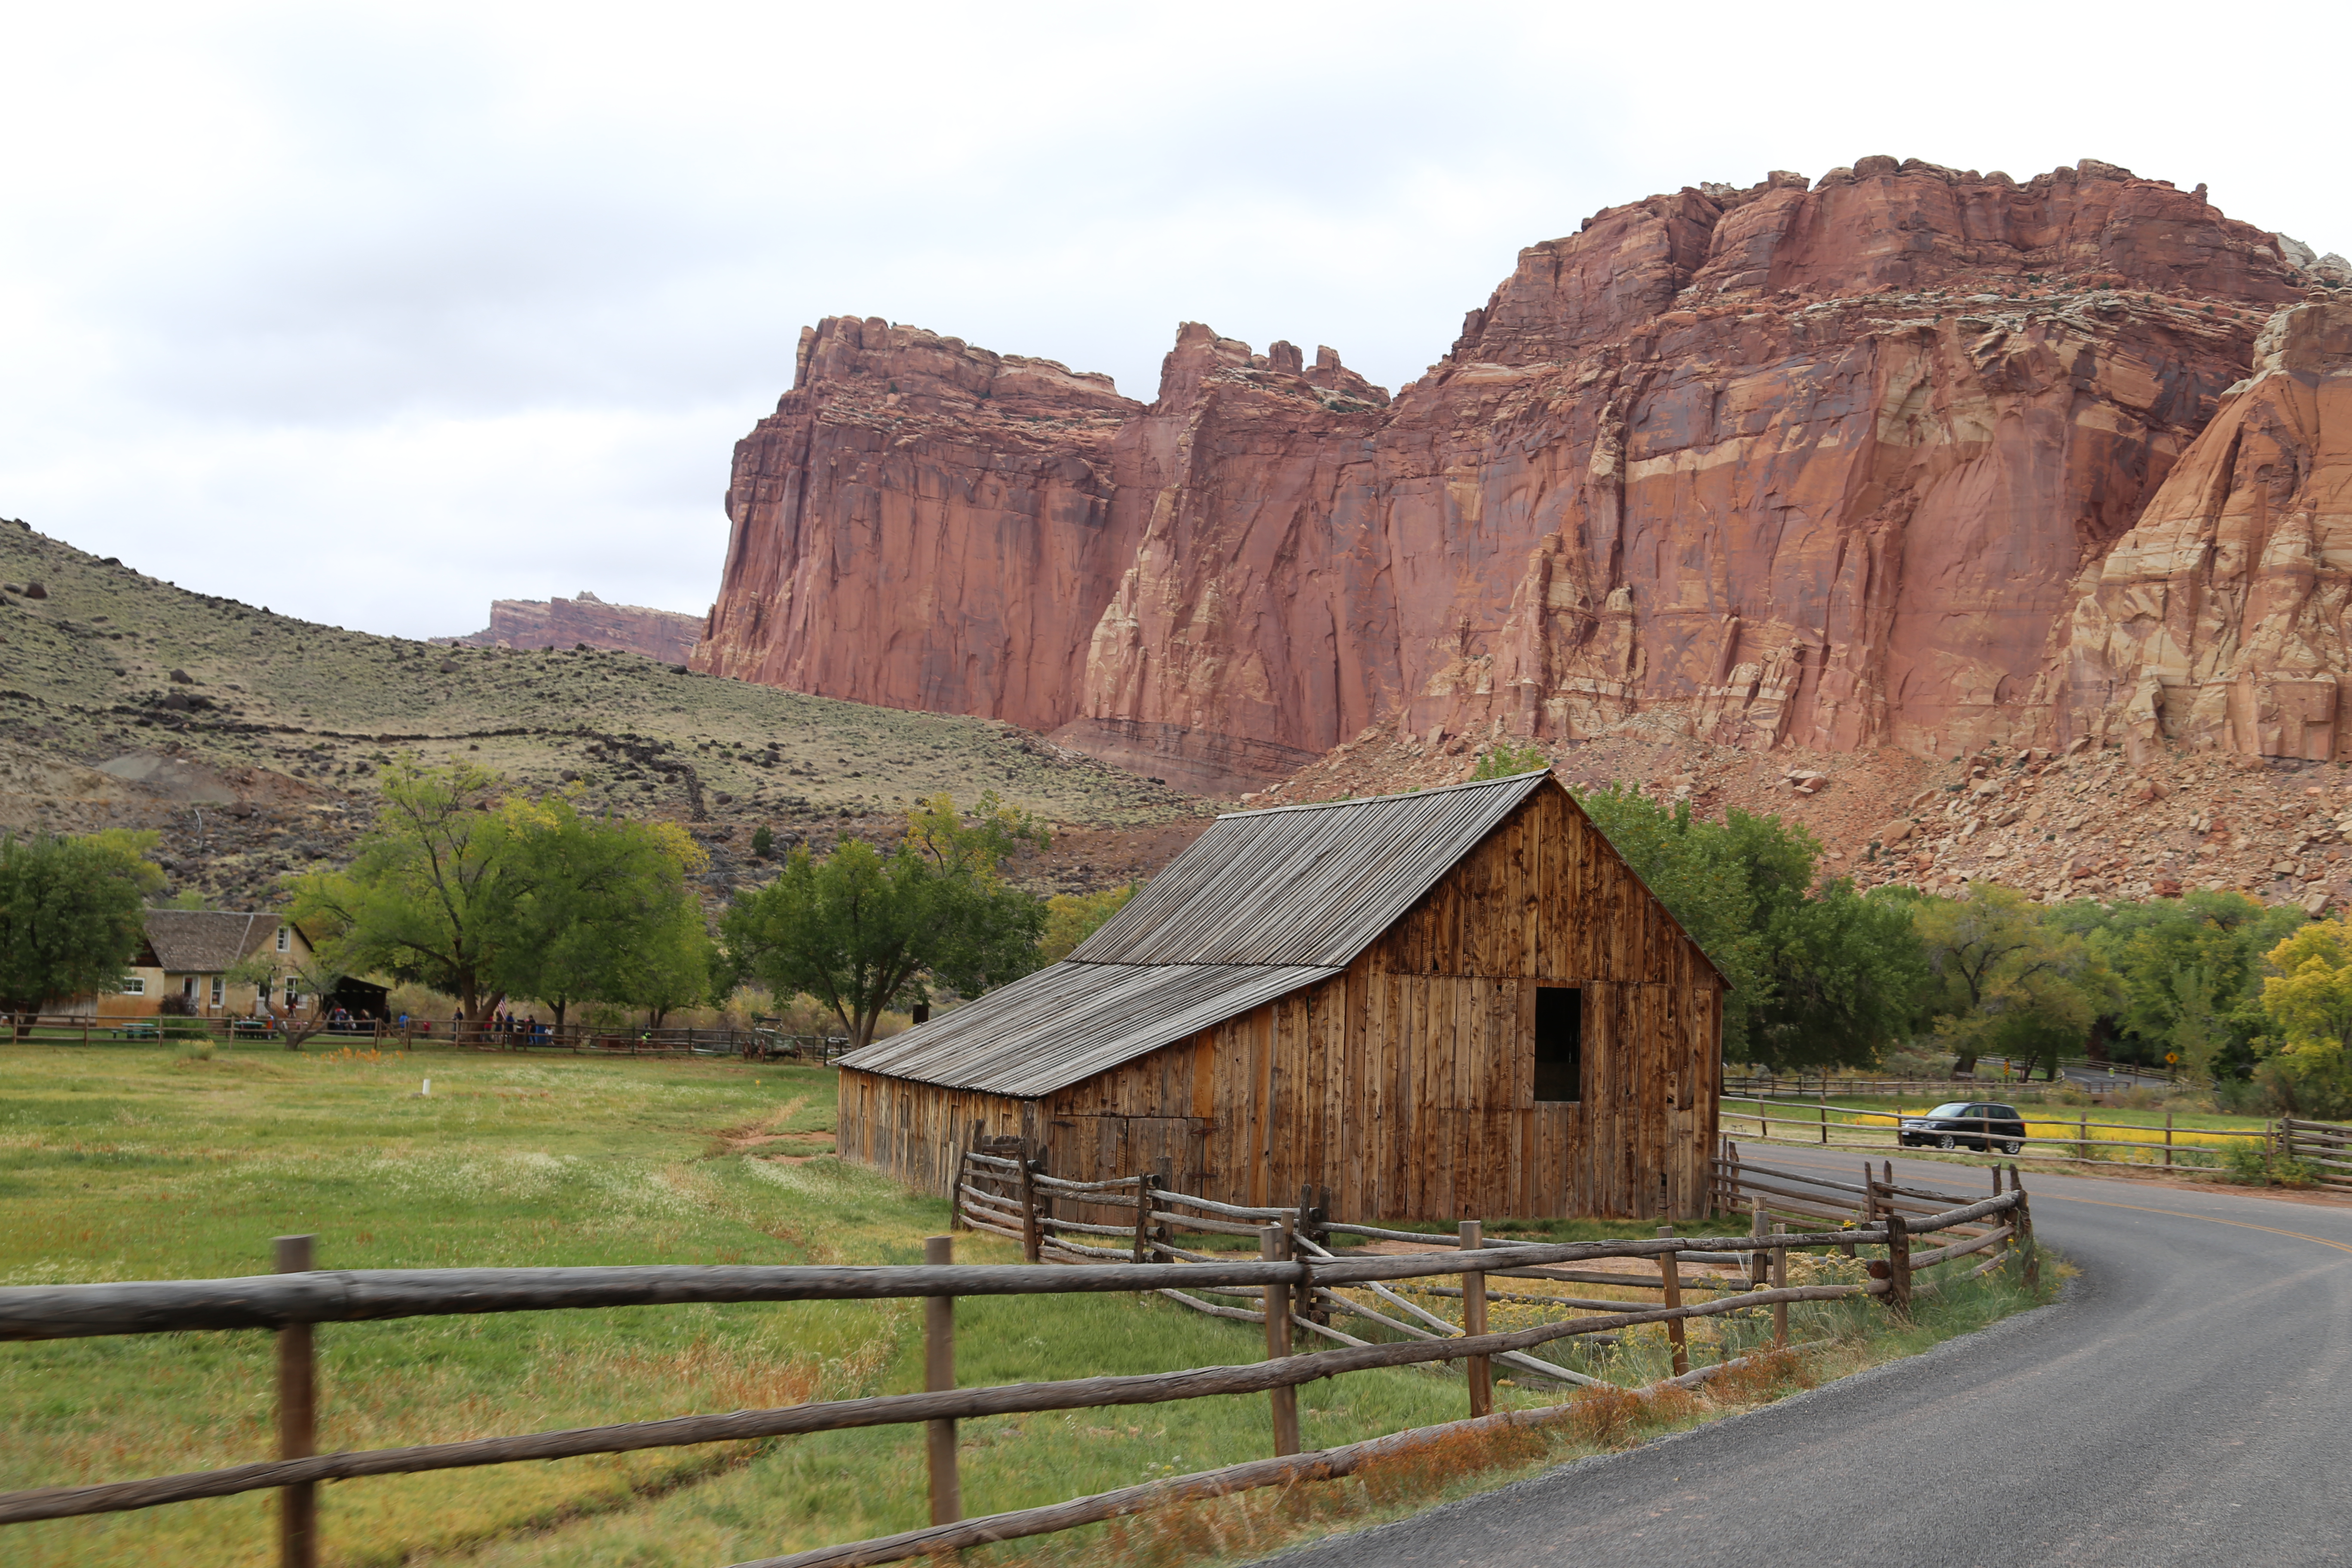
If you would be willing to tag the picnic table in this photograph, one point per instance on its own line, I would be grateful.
(251, 1029)
(139, 1032)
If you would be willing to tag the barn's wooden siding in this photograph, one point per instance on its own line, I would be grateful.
(1405, 1084)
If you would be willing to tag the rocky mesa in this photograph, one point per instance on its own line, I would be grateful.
(588, 621)
(1902, 457)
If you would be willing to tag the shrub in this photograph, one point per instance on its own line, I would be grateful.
(2257, 1164)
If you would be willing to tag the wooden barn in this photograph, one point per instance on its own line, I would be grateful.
(1454, 1004)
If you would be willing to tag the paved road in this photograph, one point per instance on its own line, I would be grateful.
(2189, 1401)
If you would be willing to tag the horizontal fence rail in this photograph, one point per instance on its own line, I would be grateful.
(1293, 1284)
(2325, 1146)
(1780, 1121)
(759, 1043)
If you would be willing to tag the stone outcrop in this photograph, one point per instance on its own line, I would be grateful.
(560, 622)
(1818, 463)
(2218, 621)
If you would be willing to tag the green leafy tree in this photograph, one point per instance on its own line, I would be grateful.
(430, 895)
(2008, 979)
(600, 909)
(1501, 760)
(2308, 1000)
(71, 914)
(1071, 917)
(861, 931)
(2189, 972)
(1821, 976)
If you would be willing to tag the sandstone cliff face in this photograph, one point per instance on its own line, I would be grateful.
(1815, 463)
(2218, 621)
(560, 622)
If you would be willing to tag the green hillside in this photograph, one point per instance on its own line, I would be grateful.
(107, 668)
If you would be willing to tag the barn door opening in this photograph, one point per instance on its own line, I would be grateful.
(1560, 1043)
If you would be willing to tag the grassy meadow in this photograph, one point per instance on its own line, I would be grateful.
(2200, 1138)
(126, 1161)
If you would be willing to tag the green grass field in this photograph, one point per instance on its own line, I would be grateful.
(123, 1161)
(2199, 1137)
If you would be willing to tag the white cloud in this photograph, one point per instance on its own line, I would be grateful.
(395, 309)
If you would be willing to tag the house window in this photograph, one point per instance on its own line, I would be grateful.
(188, 989)
(220, 985)
(1560, 1043)
(293, 991)
(133, 985)
(284, 939)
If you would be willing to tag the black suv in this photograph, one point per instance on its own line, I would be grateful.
(1964, 1124)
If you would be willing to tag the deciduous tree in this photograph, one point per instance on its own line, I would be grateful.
(862, 931)
(71, 914)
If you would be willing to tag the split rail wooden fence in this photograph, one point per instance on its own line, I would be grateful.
(1783, 1121)
(2326, 1145)
(1296, 1280)
(759, 1043)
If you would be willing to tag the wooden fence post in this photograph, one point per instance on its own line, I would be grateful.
(1779, 1282)
(1470, 1237)
(938, 1376)
(1163, 1232)
(1274, 1245)
(1759, 1263)
(297, 1421)
(1030, 1252)
(1670, 1279)
(1898, 1263)
(1825, 1123)
(1147, 1187)
(955, 1190)
(1313, 1214)
(2168, 1139)
(2082, 1136)
(2025, 1220)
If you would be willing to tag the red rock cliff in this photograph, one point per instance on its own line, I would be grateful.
(1810, 461)
(560, 622)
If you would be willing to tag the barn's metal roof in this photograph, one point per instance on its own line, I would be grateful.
(1070, 1021)
(1263, 903)
(1304, 884)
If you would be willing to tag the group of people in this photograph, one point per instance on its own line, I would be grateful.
(513, 1026)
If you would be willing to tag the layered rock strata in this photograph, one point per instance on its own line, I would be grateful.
(560, 622)
(2218, 621)
(1817, 463)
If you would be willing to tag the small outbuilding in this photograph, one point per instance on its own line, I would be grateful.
(1454, 1004)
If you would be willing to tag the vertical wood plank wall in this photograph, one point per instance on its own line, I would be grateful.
(1405, 1084)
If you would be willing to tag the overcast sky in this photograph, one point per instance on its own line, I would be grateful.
(375, 313)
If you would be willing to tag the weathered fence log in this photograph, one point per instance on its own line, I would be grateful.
(298, 1420)
(966, 1404)
(1670, 1279)
(1274, 1246)
(938, 1376)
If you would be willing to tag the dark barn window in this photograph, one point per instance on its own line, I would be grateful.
(1559, 1042)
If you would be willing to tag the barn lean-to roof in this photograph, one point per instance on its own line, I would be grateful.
(1263, 903)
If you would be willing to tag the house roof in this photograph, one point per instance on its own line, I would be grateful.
(1263, 903)
(206, 941)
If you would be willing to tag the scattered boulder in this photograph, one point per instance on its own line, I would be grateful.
(35, 591)
(182, 677)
